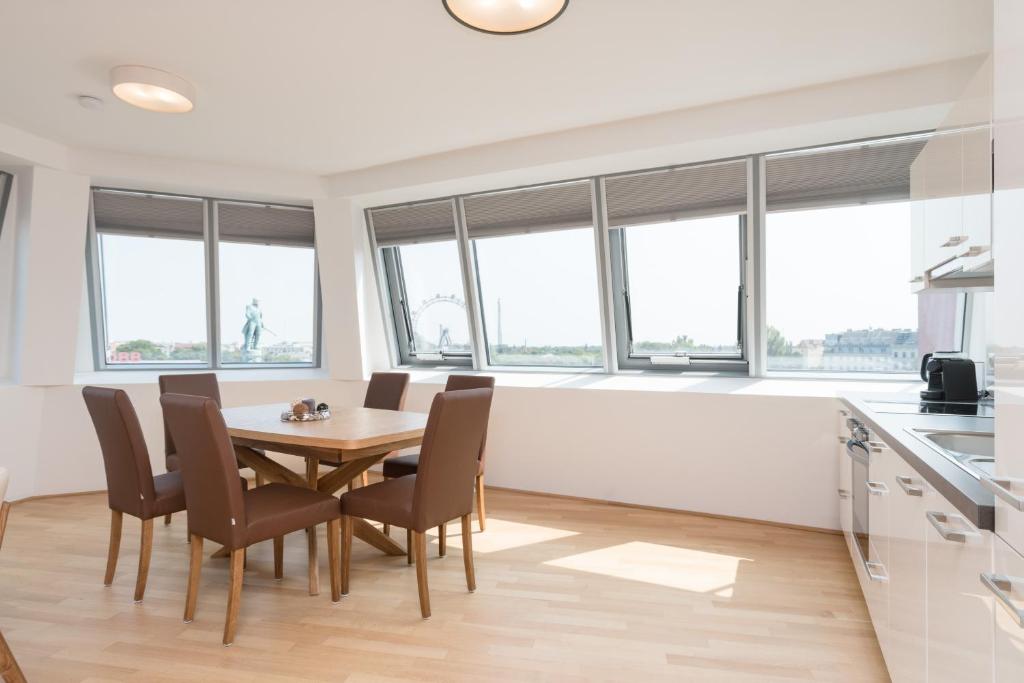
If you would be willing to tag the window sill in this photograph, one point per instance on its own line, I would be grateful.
(146, 376)
(682, 382)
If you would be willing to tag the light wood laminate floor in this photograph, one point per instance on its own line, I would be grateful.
(567, 590)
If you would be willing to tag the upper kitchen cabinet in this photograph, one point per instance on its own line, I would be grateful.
(951, 189)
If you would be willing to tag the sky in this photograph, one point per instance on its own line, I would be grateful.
(155, 289)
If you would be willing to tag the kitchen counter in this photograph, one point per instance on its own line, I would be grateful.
(958, 486)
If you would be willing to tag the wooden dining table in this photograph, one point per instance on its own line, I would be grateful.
(351, 441)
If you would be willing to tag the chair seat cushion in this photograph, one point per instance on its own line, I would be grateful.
(170, 494)
(389, 501)
(401, 465)
(278, 509)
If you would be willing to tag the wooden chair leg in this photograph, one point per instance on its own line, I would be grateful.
(234, 595)
(387, 527)
(259, 480)
(334, 557)
(420, 544)
(9, 669)
(167, 520)
(5, 511)
(116, 518)
(408, 545)
(366, 478)
(481, 512)
(467, 551)
(279, 557)
(195, 566)
(314, 562)
(442, 539)
(346, 551)
(145, 553)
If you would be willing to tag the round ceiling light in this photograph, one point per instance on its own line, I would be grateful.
(505, 17)
(153, 89)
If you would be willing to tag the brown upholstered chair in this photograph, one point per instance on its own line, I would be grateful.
(441, 490)
(9, 669)
(194, 384)
(404, 465)
(386, 391)
(131, 487)
(223, 513)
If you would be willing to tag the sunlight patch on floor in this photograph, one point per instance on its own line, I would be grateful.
(504, 535)
(660, 565)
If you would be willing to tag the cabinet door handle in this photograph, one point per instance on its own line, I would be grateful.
(1001, 487)
(1000, 586)
(940, 521)
(876, 571)
(842, 439)
(843, 493)
(906, 483)
(877, 488)
(954, 240)
(877, 446)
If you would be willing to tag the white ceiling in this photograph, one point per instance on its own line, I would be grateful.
(330, 85)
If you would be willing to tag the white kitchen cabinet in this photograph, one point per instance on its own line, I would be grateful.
(1007, 345)
(907, 644)
(843, 488)
(880, 471)
(1006, 583)
(957, 605)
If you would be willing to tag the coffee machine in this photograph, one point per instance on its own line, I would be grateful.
(950, 378)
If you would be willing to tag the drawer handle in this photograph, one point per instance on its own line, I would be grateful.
(940, 520)
(954, 240)
(842, 439)
(876, 571)
(877, 446)
(877, 488)
(1000, 586)
(1001, 487)
(906, 483)
(843, 494)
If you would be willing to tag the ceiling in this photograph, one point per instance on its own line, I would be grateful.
(323, 86)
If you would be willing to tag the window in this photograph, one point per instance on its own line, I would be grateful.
(421, 263)
(677, 241)
(152, 297)
(838, 257)
(537, 274)
(267, 284)
(152, 275)
(526, 277)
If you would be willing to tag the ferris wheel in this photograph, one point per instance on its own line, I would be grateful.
(444, 336)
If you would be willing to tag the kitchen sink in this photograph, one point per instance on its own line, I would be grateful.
(972, 451)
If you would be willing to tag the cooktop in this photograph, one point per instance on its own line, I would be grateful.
(980, 409)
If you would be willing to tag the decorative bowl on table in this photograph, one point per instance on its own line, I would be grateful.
(306, 410)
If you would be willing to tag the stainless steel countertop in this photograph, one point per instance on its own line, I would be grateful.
(959, 487)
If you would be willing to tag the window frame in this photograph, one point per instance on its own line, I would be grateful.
(612, 277)
(708, 362)
(97, 295)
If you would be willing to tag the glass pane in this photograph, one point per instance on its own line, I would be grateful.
(267, 303)
(154, 298)
(838, 296)
(540, 298)
(684, 280)
(436, 301)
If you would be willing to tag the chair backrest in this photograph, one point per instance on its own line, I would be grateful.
(193, 384)
(448, 456)
(460, 382)
(216, 509)
(5, 479)
(125, 456)
(386, 390)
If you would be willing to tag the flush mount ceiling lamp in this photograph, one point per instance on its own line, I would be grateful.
(153, 89)
(505, 17)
